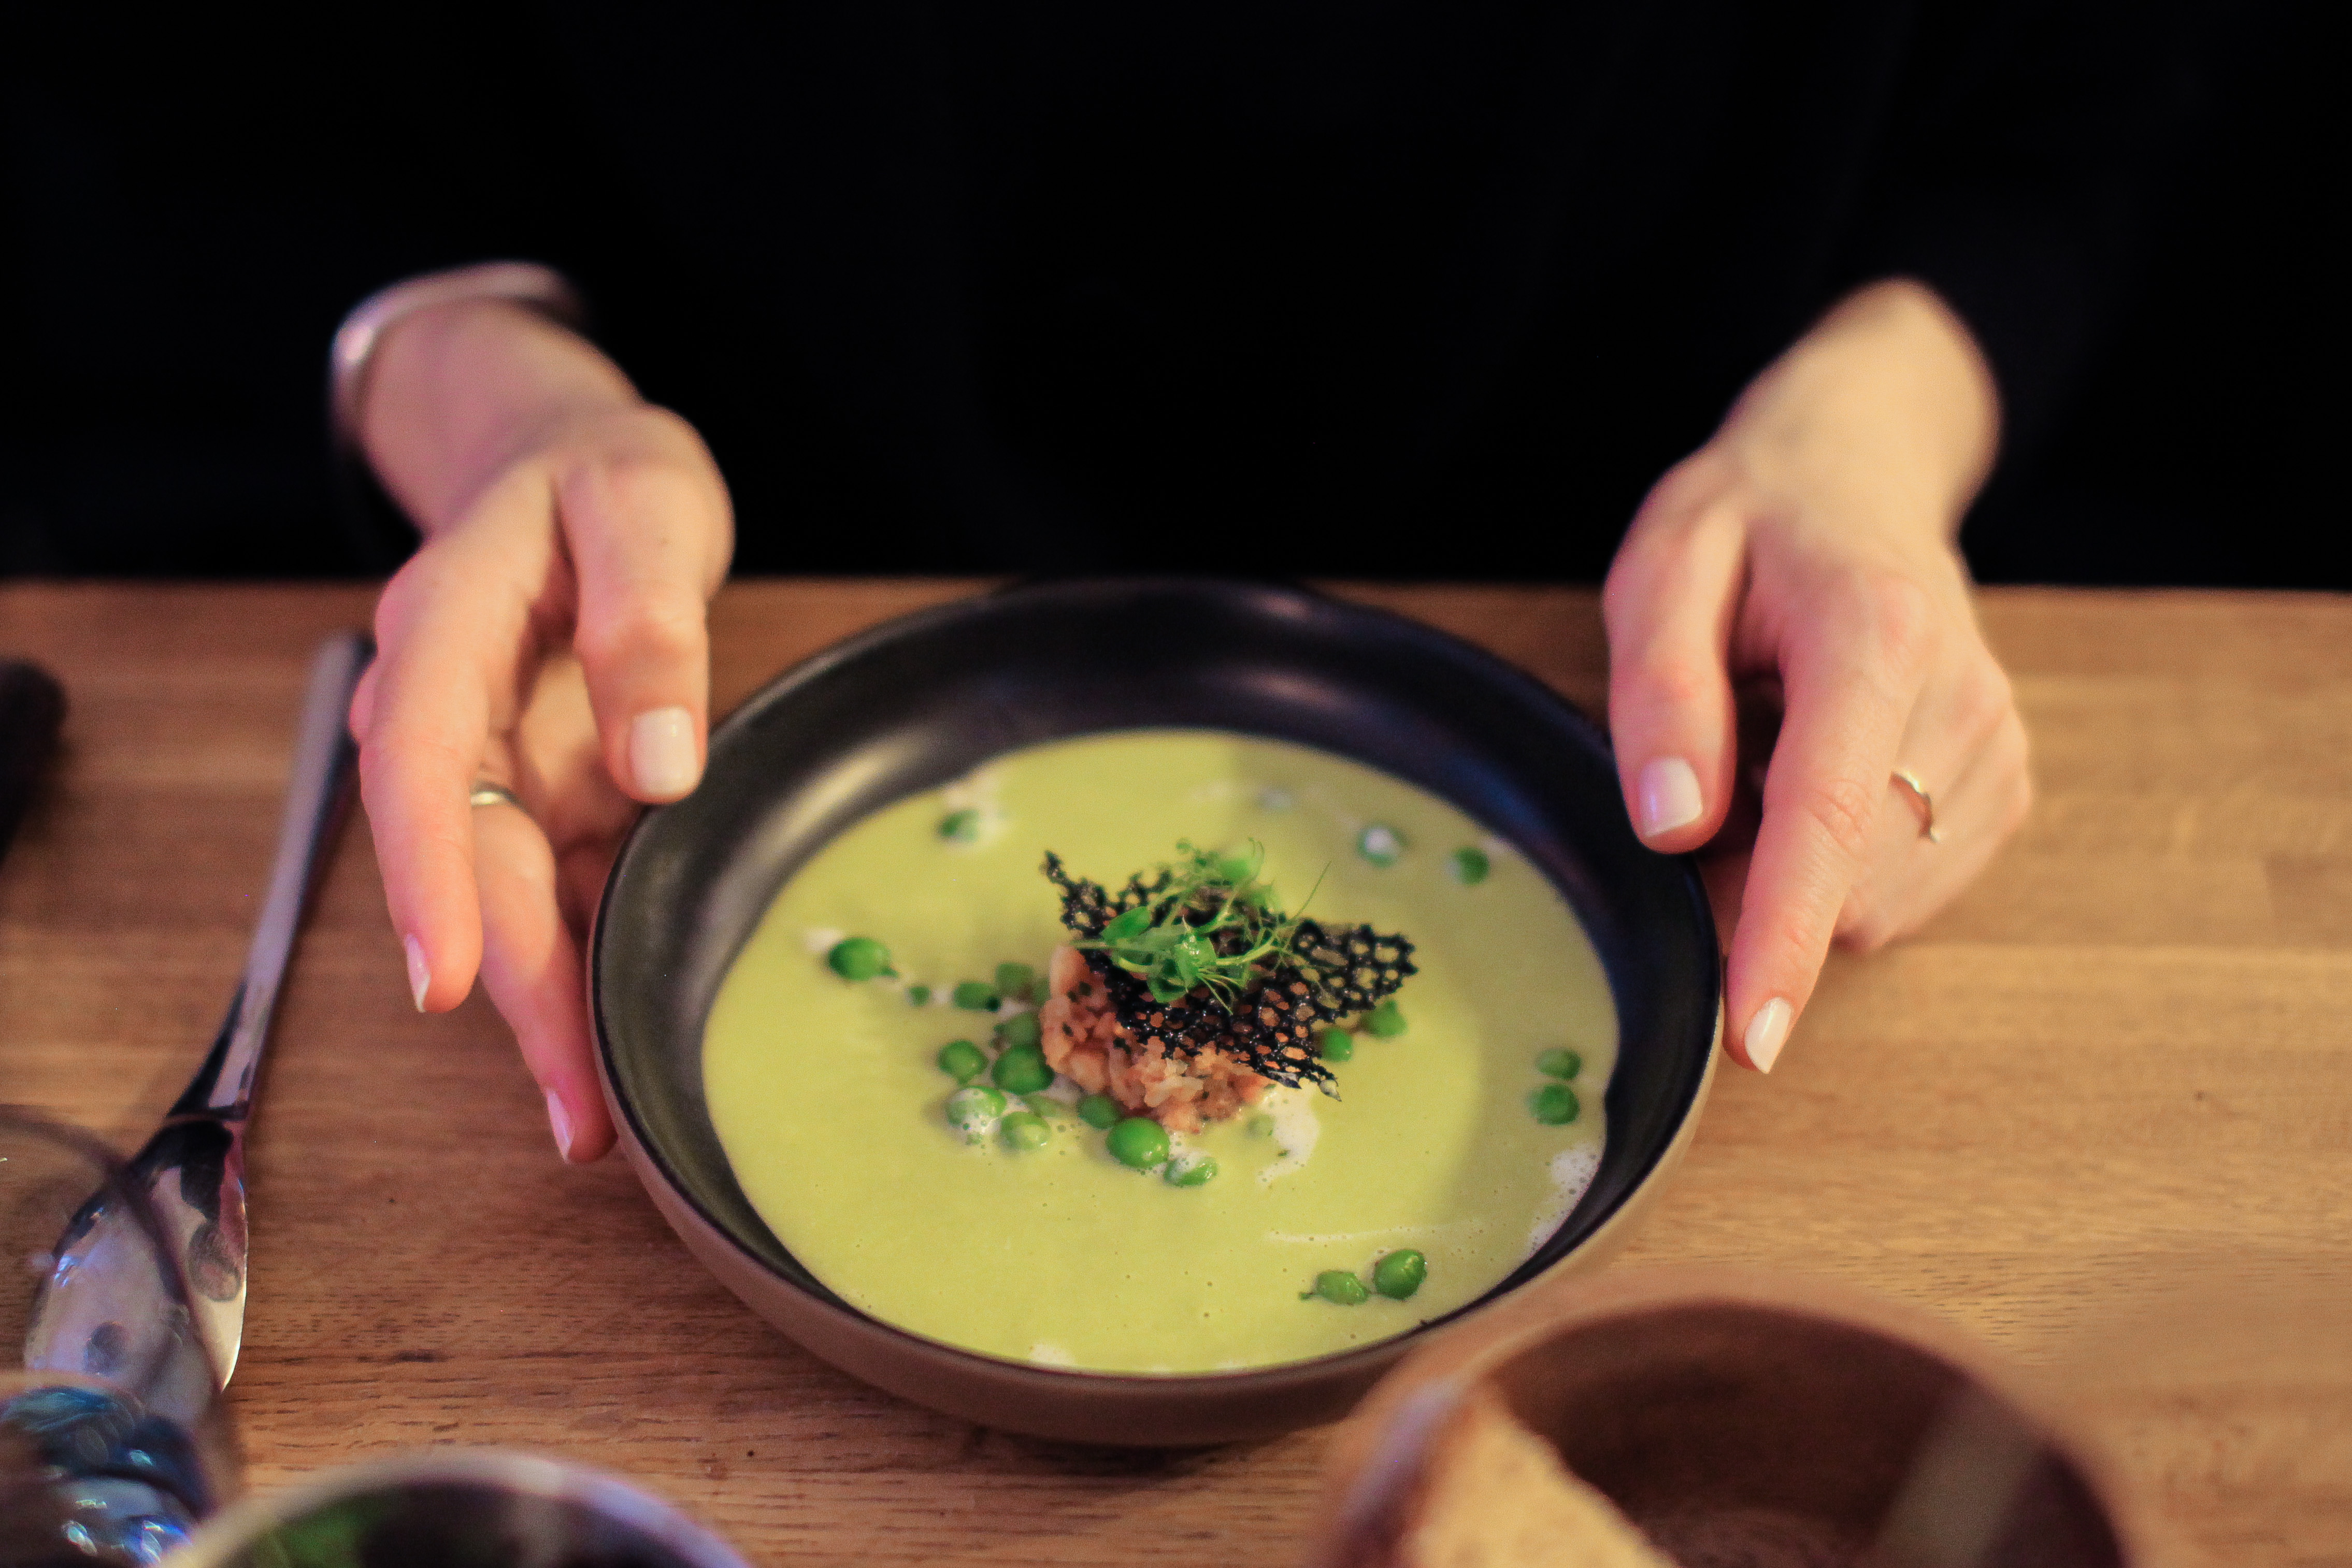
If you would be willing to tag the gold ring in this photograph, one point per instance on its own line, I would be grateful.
(1910, 780)
(485, 793)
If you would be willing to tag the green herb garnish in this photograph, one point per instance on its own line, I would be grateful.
(1210, 925)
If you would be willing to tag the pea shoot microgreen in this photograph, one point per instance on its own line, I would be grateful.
(1210, 925)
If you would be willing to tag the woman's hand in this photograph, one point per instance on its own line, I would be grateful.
(1809, 545)
(549, 637)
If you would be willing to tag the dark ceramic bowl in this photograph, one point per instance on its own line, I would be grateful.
(921, 701)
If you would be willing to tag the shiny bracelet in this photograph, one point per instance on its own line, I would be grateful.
(543, 288)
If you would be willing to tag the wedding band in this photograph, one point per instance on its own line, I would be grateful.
(1910, 780)
(485, 793)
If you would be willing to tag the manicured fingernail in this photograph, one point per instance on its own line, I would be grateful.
(558, 1121)
(420, 978)
(1768, 1031)
(661, 752)
(1670, 797)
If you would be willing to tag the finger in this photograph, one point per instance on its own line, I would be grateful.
(1723, 874)
(1669, 603)
(362, 708)
(561, 771)
(650, 533)
(1964, 745)
(1978, 799)
(531, 968)
(452, 628)
(559, 765)
(1852, 664)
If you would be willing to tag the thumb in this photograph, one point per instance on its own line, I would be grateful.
(1669, 601)
(649, 532)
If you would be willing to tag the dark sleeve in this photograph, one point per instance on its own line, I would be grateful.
(191, 201)
(2024, 141)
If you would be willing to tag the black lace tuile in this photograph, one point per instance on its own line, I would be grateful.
(1324, 975)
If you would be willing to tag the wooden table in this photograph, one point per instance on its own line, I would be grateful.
(2100, 1113)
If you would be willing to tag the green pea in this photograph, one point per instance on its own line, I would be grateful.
(1386, 1021)
(858, 959)
(1554, 1105)
(1340, 1288)
(1015, 979)
(1190, 1169)
(979, 995)
(975, 1109)
(960, 827)
(919, 996)
(962, 1061)
(1400, 1273)
(1261, 1126)
(1470, 865)
(1045, 1106)
(1100, 1110)
(1021, 1028)
(1335, 1045)
(1025, 1130)
(1022, 1071)
(1380, 844)
(1139, 1141)
(1559, 1065)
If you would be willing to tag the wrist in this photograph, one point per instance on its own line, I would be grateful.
(457, 392)
(1887, 398)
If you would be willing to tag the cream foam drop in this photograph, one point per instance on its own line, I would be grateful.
(977, 793)
(1296, 1130)
(1573, 1170)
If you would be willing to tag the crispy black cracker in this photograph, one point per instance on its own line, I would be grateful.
(1330, 973)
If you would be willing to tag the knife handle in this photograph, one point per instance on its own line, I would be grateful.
(32, 715)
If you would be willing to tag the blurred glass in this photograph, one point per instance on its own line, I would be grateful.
(115, 1461)
(458, 1509)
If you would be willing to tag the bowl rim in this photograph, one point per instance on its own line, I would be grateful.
(227, 1536)
(1300, 602)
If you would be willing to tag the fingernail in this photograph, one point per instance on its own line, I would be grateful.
(661, 752)
(420, 978)
(1768, 1031)
(559, 1121)
(1670, 797)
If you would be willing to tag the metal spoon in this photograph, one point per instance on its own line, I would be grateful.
(103, 1309)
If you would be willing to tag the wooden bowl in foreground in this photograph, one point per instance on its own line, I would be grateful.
(1737, 1419)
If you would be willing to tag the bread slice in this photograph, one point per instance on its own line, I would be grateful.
(1493, 1494)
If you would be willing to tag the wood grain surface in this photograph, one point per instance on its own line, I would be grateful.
(2099, 1114)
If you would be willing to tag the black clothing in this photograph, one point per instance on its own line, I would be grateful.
(1364, 289)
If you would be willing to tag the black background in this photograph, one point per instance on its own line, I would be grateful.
(177, 430)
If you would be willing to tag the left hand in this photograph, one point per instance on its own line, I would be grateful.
(1810, 541)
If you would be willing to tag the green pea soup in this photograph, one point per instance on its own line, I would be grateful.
(829, 1098)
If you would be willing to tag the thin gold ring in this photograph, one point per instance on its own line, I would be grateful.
(1927, 830)
(485, 793)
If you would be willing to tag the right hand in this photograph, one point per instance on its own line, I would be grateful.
(548, 636)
